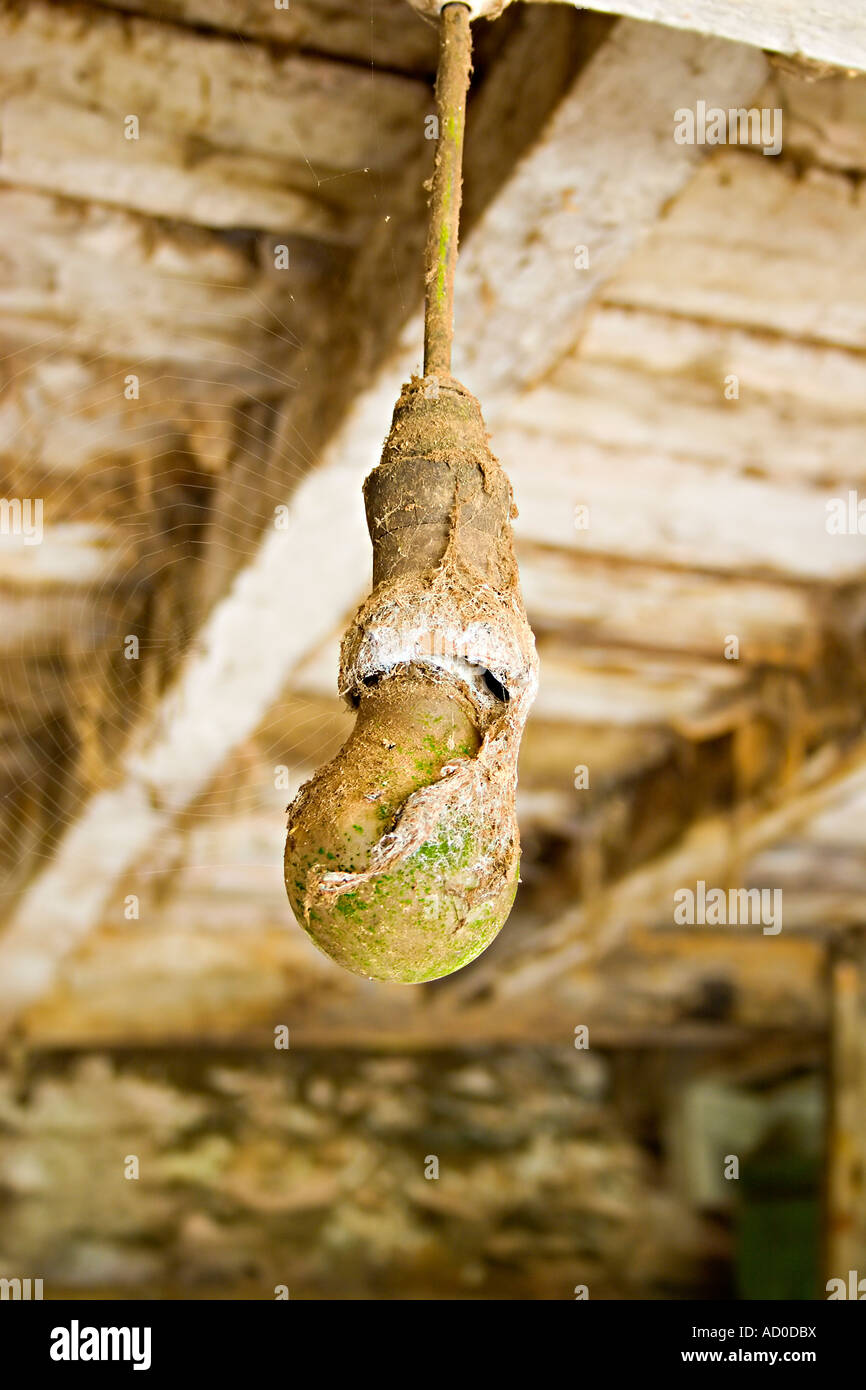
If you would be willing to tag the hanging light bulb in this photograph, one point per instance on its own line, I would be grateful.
(477, 9)
(402, 855)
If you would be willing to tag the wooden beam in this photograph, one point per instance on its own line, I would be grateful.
(599, 179)
(220, 967)
(832, 33)
(601, 173)
(845, 1244)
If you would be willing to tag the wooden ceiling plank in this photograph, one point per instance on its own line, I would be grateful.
(208, 980)
(718, 254)
(51, 440)
(597, 602)
(825, 379)
(94, 280)
(687, 417)
(322, 131)
(642, 504)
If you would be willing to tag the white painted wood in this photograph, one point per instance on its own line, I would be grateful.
(590, 687)
(829, 31)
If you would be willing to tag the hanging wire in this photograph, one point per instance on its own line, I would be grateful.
(452, 85)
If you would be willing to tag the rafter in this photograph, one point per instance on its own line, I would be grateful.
(833, 33)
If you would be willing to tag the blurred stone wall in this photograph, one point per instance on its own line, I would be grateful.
(316, 1171)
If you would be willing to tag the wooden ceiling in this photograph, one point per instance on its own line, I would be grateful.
(660, 515)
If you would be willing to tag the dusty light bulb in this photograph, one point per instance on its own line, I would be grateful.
(478, 9)
(402, 854)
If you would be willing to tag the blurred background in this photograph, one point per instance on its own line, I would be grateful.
(212, 217)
